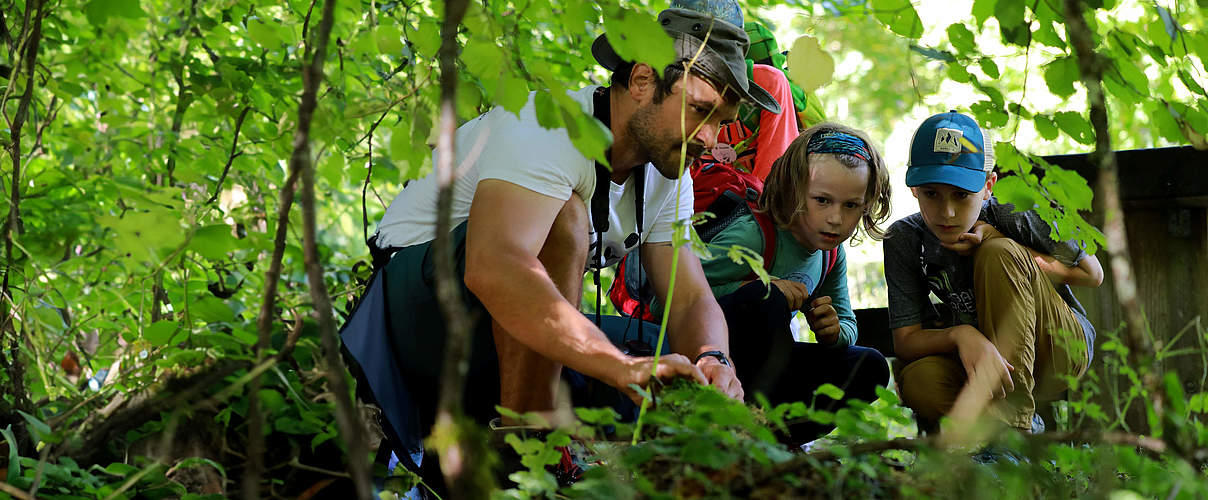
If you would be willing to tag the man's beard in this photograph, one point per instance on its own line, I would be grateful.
(663, 151)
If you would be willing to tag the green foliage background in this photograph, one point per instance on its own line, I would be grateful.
(158, 133)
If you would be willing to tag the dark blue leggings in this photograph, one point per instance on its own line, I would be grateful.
(770, 362)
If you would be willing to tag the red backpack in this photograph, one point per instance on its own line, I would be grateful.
(726, 192)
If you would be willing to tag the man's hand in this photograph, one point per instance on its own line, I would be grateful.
(982, 361)
(637, 371)
(793, 291)
(823, 320)
(978, 234)
(721, 376)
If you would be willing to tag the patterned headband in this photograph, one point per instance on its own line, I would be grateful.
(834, 142)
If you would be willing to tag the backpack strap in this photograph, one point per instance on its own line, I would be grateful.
(599, 198)
(829, 259)
(768, 229)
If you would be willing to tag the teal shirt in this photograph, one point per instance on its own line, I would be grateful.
(792, 262)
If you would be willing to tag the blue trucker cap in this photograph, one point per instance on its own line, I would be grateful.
(950, 148)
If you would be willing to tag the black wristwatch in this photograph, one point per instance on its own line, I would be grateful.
(721, 356)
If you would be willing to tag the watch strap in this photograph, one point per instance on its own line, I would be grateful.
(721, 356)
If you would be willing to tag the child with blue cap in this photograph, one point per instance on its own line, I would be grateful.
(1007, 328)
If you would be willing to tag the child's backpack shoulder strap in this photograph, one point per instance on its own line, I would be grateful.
(829, 259)
(768, 229)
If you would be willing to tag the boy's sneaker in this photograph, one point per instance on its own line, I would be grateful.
(993, 454)
(1037, 424)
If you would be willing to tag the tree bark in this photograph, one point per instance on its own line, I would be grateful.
(1090, 66)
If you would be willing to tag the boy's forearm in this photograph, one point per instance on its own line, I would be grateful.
(914, 342)
(1081, 275)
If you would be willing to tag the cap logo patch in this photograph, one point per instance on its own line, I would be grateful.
(948, 140)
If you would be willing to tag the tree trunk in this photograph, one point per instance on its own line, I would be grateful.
(1090, 65)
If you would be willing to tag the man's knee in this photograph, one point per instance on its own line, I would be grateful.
(930, 385)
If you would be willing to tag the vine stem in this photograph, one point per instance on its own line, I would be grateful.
(637, 429)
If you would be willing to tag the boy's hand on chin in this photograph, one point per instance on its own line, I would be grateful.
(968, 242)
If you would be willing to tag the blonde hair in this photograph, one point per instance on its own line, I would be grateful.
(784, 190)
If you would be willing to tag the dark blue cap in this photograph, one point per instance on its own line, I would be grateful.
(950, 148)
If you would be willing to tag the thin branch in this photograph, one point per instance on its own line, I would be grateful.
(15, 367)
(178, 118)
(346, 415)
(1090, 66)
(456, 463)
(15, 491)
(232, 155)
(174, 394)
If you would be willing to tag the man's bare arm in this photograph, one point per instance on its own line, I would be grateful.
(695, 323)
(508, 226)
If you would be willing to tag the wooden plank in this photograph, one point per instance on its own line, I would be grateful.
(1166, 174)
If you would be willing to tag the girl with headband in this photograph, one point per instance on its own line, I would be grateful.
(830, 182)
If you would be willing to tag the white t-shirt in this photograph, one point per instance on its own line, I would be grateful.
(519, 151)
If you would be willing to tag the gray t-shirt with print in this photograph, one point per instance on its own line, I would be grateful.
(916, 264)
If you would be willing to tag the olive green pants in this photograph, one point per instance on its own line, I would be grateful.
(1020, 312)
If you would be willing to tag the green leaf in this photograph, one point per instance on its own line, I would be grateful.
(39, 429)
(14, 465)
(1046, 34)
(213, 242)
(1012, 189)
(1133, 76)
(211, 310)
(899, 16)
(469, 97)
(332, 168)
(830, 391)
(961, 38)
(98, 12)
(989, 68)
(576, 15)
(1060, 75)
(426, 38)
(1045, 127)
(637, 36)
(1010, 14)
(160, 333)
(990, 114)
(1068, 188)
(983, 9)
(1075, 126)
(389, 39)
(271, 400)
(810, 67)
(548, 113)
(1190, 82)
(512, 93)
(120, 469)
(958, 73)
(483, 57)
(264, 34)
(707, 453)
